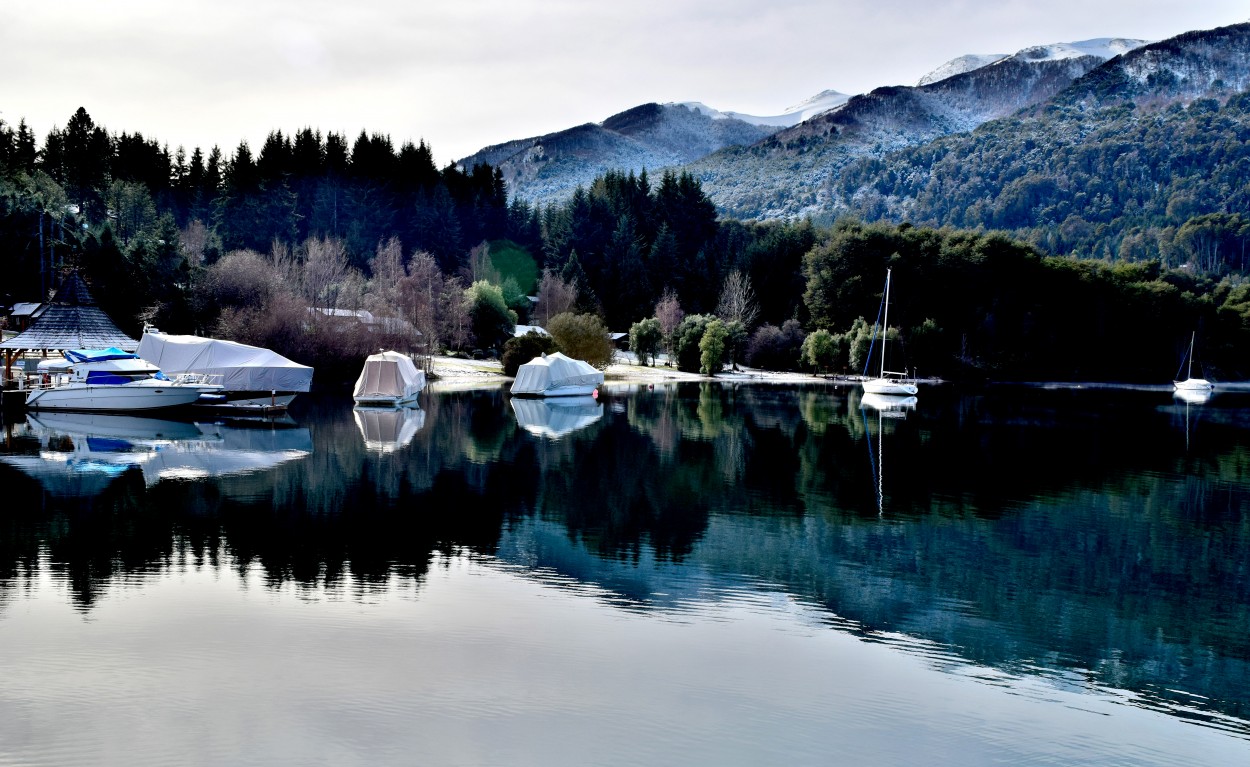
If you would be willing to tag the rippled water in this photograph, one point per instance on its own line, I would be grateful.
(685, 575)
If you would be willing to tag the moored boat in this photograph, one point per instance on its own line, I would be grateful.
(111, 380)
(555, 375)
(252, 378)
(888, 382)
(388, 379)
(1191, 384)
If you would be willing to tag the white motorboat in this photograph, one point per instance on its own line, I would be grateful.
(888, 382)
(1191, 384)
(111, 380)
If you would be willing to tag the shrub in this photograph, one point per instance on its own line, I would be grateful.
(687, 336)
(774, 348)
(583, 337)
(644, 339)
(521, 349)
(712, 348)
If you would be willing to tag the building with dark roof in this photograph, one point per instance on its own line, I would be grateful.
(71, 320)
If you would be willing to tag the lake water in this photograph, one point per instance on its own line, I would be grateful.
(691, 574)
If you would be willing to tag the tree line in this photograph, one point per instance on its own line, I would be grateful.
(291, 247)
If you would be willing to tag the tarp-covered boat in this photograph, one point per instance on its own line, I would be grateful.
(555, 375)
(250, 376)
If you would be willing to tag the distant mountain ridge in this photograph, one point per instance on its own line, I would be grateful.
(790, 173)
(821, 102)
(547, 168)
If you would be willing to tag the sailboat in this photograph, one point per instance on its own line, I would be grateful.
(888, 382)
(1191, 384)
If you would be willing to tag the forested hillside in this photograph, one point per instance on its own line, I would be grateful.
(1146, 157)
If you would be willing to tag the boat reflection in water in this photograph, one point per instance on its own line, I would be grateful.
(557, 416)
(386, 429)
(78, 450)
(1193, 396)
(895, 406)
(889, 405)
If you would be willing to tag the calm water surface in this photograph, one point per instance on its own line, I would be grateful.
(695, 574)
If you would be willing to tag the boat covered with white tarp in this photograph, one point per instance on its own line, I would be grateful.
(388, 379)
(250, 376)
(555, 375)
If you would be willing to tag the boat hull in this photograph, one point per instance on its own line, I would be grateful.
(886, 386)
(1193, 384)
(562, 391)
(113, 398)
(386, 402)
(248, 400)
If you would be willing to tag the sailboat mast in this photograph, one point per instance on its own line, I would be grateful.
(1191, 355)
(885, 321)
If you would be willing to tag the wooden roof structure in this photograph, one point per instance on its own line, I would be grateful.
(71, 320)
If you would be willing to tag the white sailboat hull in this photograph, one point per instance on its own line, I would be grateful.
(887, 386)
(1193, 384)
(139, 395)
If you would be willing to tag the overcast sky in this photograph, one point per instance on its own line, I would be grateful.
(463, 74)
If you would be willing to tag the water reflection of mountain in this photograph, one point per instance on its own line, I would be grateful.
(1042, 533)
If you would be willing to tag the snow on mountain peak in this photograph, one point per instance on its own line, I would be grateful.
(960, 65)
(1101, 47)
(821, 102)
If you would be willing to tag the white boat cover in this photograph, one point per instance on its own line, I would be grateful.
(237, 367)
(388, 376)
(554, 374)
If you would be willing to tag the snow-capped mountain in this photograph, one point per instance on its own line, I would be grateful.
(790, 172)
(650, 136)
(958, 66)
(1210, 63)
(1103, 48)
(1167, 122)
(821, 102)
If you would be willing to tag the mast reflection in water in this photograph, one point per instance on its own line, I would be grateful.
(694, 573)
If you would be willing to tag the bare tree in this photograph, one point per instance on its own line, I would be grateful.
(480, 265)
(668, 312)
(433, 304)
(195, 241)
(737, 301)
(387, 263)
(555, 296)
(325, 269)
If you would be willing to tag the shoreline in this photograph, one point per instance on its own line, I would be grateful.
(456, 373)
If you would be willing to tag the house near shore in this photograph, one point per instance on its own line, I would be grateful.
(370, 321)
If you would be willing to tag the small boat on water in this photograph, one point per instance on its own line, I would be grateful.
(111, 380)
(388, 379)
(1191, 384)
(888, 382)
(555, 375)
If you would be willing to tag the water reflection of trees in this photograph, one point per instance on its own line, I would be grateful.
(1047, 530)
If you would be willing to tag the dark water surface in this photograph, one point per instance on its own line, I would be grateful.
(695, 574)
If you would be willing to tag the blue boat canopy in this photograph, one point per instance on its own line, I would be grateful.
(98, 355)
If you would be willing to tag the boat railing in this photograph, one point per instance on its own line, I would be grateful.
(199, 379)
